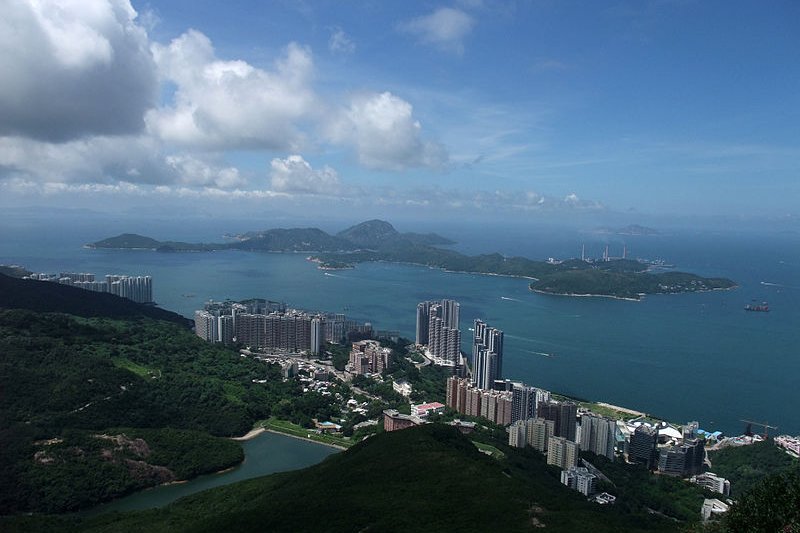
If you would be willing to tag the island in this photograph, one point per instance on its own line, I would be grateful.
(378, 240)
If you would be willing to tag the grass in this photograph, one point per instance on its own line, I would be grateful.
(289, 428)
(139, 370)
(489, 450)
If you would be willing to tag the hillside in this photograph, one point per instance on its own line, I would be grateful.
(291, 240)
(378, 240)
(624, 284)
(46, 296)
(78, 392)
(428, 478)
(127, 240)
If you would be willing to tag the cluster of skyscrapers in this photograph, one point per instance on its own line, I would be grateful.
(368, 356)
(267, 325)
(136, 288)
(684, 459)
(438, 329)
(487, 355)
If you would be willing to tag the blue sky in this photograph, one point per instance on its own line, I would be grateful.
(508, 109)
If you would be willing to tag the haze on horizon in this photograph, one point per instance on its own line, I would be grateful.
(519, 111)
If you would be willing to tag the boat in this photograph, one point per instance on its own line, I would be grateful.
(763, 307)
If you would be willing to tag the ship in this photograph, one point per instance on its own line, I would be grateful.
(763, 307)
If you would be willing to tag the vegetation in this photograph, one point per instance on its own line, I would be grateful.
(65, 377)
(746, 466)
(639, 490)
(370, 234)
(773, 504)
(404, 472)
(377, 240)
(45, 296)
(284, 426)
(80, 468)
(625, 284)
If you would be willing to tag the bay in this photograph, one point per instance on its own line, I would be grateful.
(265, 454)
(682, 357)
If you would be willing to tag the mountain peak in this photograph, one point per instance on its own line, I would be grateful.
(371, 233)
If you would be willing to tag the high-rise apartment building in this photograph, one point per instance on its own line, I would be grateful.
(562, 453)
(523, 402)
(467, 399)
(598, 435)
(538, 433)
(684, 460)
(487, 355)
(438, 328)
(564, 416)
(206, 326)
(642, 447)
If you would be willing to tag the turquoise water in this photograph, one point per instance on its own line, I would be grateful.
(681, 357)
(265, 454)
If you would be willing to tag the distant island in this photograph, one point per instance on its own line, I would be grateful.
(632, 229)
(378, 240)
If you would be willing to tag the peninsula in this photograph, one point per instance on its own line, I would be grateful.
(378, 240)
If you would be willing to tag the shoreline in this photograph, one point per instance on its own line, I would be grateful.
(253, 433)
(277, 432)
(573, 295)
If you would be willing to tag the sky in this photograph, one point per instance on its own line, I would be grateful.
(530, 110)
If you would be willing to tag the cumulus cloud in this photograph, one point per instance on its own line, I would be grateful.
(231, 104)
(104, 160)
(385, 134)
(190, 170)
(340, 42)
(446, 28)
(295, 175)
(95, 159)
(73, 68)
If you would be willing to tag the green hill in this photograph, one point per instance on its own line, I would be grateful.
(127, 240)
(75, 391)
(428, 478)
(291, 240)
(47, 296)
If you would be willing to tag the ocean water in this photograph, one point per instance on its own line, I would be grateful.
(681, 357)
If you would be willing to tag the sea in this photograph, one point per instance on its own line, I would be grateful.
(677, 357)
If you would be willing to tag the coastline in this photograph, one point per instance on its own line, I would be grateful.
(586, 295)
(342, 448)
(253, 433)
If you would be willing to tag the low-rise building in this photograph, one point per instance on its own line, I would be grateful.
(394, 421)
(402, 387)
(713, 482)
(713, 508)
(580, 479)
(424, 409)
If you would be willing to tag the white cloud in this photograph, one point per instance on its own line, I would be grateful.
(95, 159)
(295, 175)
(193, 171)
(385, 134)
(231, 104)
(340, 42)
(446, 28)
(73, 68)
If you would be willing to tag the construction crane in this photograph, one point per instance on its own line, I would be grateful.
(765, 425)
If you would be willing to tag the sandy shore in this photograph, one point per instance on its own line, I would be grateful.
(253, 433)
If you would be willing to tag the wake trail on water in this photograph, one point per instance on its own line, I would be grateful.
(543, 354)
(781, 285)
(509, 299)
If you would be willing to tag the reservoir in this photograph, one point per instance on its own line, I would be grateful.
(264, 454)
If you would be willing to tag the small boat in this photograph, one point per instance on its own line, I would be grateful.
(763, 307)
